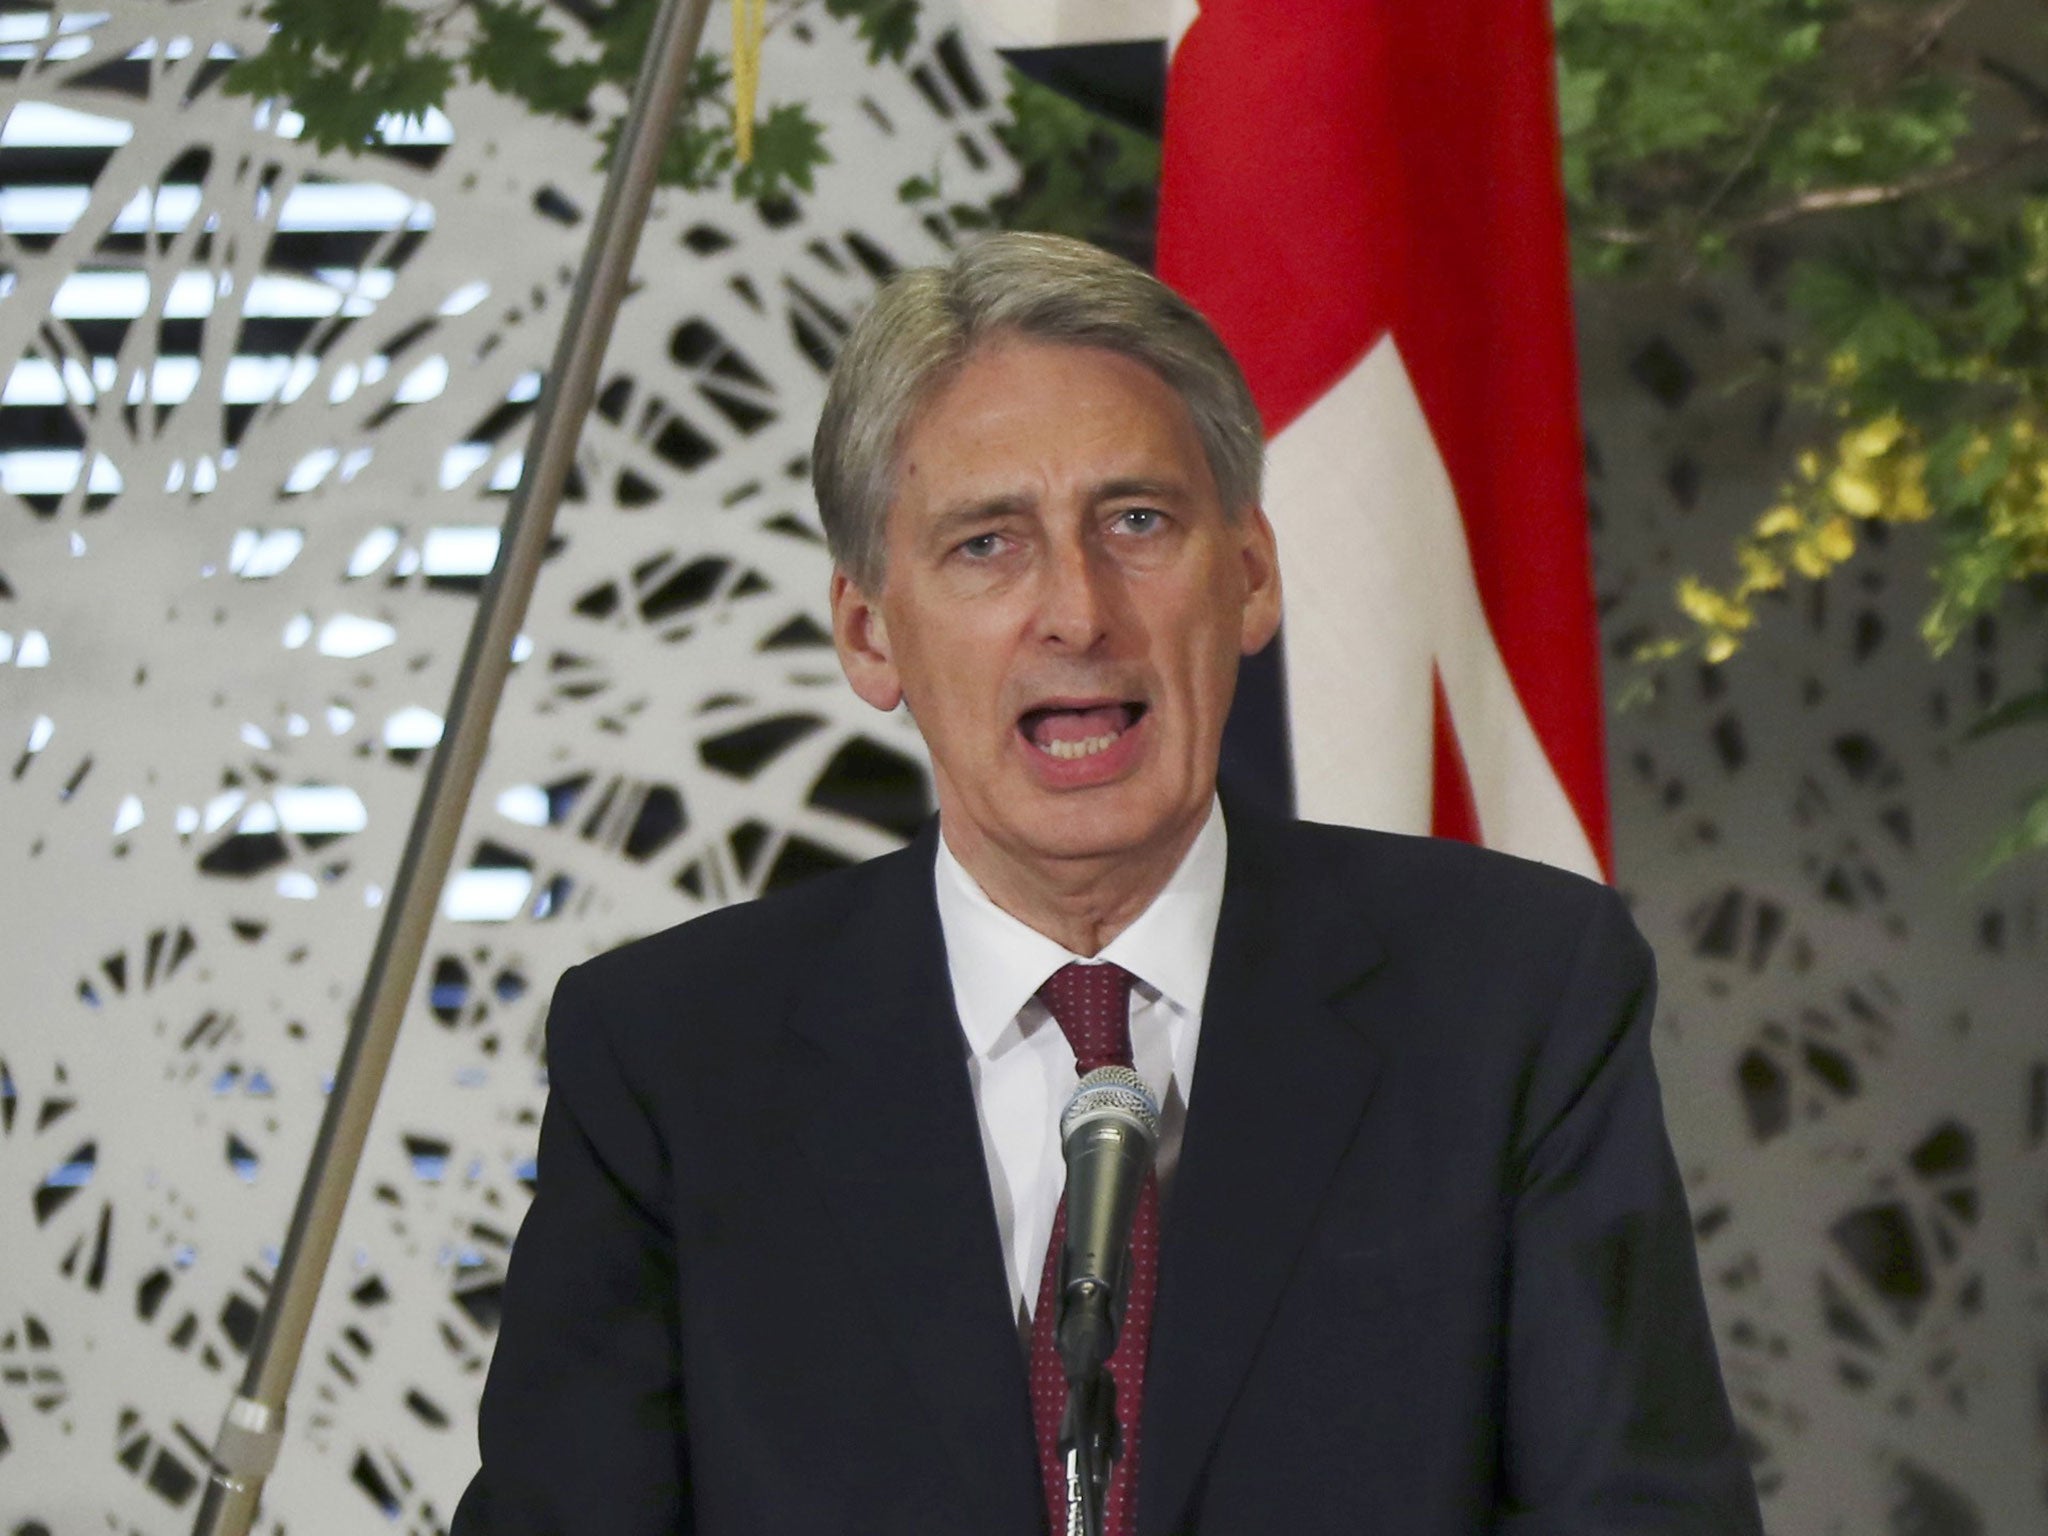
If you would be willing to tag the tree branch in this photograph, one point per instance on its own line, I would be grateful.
(2018, 81)
(1616, 234)
(1736, 172)
(1840, 199)
(1844, 199)
(1928, 37)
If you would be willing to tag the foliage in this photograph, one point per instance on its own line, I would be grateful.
(1690, 124)
(1079, 174)
(1866, 137)
(1083, 174)
(347, 65)
(888, 27)
(1891, 156)
(344, 65)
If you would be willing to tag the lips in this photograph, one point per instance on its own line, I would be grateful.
(1078, 729)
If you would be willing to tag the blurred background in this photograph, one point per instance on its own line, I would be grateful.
(276, 286)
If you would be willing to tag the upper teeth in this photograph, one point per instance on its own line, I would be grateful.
(1087, 746)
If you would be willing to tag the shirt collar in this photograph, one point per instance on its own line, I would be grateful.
(998, 962)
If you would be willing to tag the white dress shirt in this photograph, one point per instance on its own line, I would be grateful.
(1020, 1063)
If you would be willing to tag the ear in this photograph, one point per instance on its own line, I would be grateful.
(1261, 556)
(861, 637)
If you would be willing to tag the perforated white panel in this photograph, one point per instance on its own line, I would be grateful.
(1851, 1035)
(261, 410)
(263, 414)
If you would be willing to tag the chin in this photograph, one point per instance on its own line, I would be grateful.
(1073, 828)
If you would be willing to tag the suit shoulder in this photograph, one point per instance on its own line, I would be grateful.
(1512, 957)
(1422, 872)
(1446, 903)
(749, 947)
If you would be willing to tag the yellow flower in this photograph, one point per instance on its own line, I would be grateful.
(1834, 540)
(1909, 492)
(1663, 648)
(1824, 548)
(1719, 649)
(1761, 572)
(2003, 522)
(1809, 466)
(1874, 439)
(1710, 609)
(1780, 520)
(1854, 491)
(1808, 561)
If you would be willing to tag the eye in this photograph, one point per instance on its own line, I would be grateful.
(1140, 520)
(982, 546)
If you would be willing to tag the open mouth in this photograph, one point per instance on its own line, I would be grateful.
(1078, 730)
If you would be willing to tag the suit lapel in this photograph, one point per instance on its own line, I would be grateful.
(877, 1075)
(1281, 1078)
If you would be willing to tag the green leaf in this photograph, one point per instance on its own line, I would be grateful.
(623, 33)
(2025, 709)
(1950, 488)
(1833, 295)
(1975, 569)
(789, 146)
(709, 76)
(888, 27)
(1976, 484)
(700, 149)
(1892, 330)
(344, 65)
(1081, 174)
(2028, 834)
(1578, 98)
(1801, 43)
(2000, 311)
(697, 155)
(514, 52)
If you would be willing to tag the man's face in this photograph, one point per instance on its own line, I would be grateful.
(1064, 606)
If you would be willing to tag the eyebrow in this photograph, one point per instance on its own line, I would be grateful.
(987, 508)
(1117, 490)
(970, 513)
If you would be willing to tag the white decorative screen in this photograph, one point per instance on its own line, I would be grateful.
(260, 411)
(263, 410)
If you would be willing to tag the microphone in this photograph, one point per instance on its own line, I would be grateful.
(1109, 1132)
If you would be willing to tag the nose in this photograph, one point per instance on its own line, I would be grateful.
(1074, 601)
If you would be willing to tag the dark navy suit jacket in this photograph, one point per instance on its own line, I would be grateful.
(1426, 1268)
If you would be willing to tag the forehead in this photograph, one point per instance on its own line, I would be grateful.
(1046, 412)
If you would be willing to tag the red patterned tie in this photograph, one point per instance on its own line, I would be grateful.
(1092, 1005)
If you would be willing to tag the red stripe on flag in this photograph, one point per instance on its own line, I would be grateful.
(1336, 169)
(1453, 811)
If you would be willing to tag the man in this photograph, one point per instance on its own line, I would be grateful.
(1418, 1261)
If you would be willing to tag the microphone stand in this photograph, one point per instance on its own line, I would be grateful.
(1087, 1337)
(1087, 1435)
(1109, 1134)
(252, 1430)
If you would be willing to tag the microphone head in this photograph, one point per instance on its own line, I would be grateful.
(1114, 1094)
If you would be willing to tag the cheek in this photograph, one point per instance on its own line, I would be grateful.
(1202, 636)
(1214, 668)
(953, 695)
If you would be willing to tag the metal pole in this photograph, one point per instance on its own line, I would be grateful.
(253, 1429)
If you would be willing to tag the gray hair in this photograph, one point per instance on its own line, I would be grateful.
(926, 323)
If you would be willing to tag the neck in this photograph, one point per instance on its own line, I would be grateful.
(1081, 903)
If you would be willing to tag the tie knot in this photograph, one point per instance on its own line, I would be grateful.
(1092, 1006)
